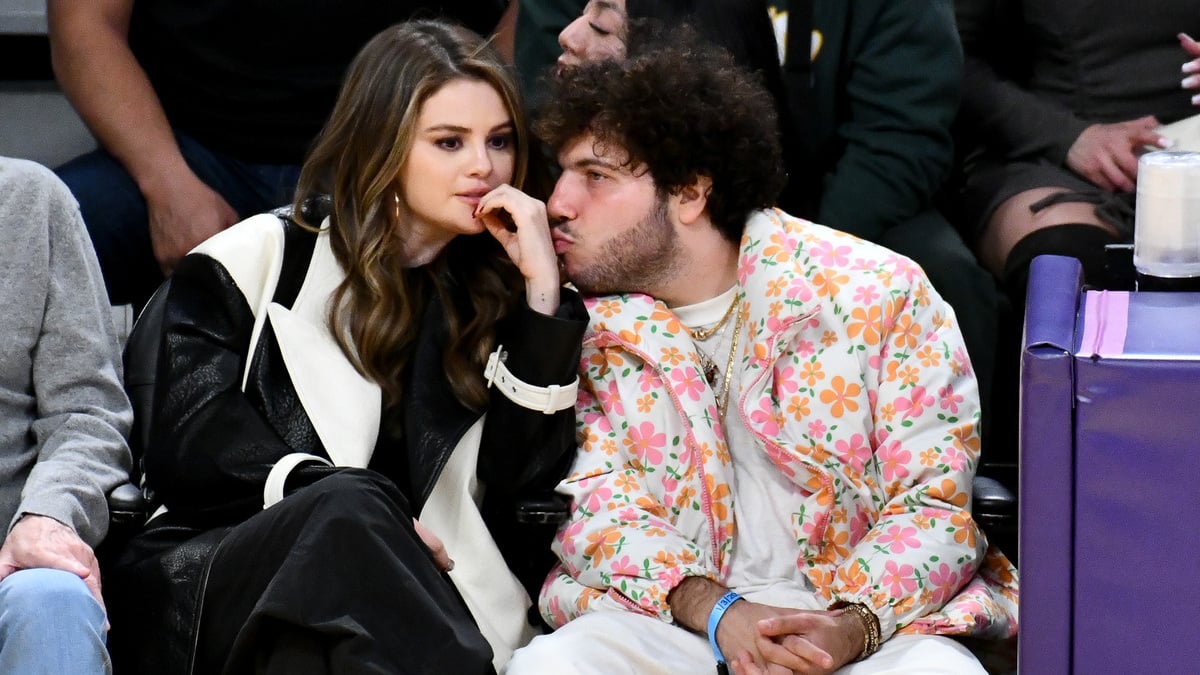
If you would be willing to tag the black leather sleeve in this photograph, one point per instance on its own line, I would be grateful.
(526, 450)
(525, 453)
(211, 445)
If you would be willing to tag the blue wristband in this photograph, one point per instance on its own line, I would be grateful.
(714, 619)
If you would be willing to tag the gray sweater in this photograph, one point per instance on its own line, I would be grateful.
(64, 416)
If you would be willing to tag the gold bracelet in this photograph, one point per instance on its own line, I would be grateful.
(870, 624)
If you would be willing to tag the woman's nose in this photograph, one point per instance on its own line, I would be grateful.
(481, 161)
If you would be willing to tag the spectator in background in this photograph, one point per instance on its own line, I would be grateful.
(63, 422)
(203, 112)
(538, 24)
(1052, 131)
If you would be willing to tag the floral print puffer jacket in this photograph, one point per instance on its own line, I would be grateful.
(855, 382)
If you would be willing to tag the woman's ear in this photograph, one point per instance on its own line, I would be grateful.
(693, 200)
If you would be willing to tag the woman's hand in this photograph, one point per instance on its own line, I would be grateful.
(1107, 154)
(1191, 69)
(435, 546)
(519, 223)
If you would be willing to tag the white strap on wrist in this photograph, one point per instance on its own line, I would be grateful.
(273, 490)
(549, 399)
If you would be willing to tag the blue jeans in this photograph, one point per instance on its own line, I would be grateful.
(117, 220)
(50, 623)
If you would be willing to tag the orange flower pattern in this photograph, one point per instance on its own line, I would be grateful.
(856, 385)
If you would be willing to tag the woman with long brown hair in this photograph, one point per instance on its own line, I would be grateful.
(355, 401)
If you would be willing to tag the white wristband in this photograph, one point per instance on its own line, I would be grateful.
(549, 399)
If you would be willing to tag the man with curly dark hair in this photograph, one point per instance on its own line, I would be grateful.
(777, 421)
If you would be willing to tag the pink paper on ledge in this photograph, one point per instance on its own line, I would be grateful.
(1105, 322)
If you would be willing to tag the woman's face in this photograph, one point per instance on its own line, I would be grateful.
(463, 146)
(598, 33)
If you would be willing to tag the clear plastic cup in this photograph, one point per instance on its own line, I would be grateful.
(1166, 240)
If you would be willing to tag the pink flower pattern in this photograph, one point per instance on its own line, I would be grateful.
(661, 509)
(898, 539)
(949, 399)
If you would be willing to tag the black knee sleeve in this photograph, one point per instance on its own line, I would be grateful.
(1084, 242)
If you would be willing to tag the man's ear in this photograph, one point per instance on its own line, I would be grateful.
(692, 200)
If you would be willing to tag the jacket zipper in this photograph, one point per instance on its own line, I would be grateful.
(697, 457)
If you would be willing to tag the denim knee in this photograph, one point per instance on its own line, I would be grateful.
(48, 596)
(50, 623)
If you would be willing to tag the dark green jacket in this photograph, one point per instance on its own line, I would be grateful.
(885, 89)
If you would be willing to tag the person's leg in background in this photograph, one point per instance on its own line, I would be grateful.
(1024, 226)
(992, 206)
(51, 624)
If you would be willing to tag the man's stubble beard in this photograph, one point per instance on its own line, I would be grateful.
(639, 260)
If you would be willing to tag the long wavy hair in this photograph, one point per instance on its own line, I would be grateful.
(376, 312)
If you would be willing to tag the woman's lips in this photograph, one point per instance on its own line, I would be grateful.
(472, 197)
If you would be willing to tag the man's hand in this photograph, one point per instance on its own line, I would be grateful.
(692, 602)
(183, 214)
(39, 541)
(1107, 154)
(748, 650)
(759, 639)
(805, 641)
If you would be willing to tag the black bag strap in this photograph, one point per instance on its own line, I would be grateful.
(298, 246)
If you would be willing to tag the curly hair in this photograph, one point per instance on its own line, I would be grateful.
(376, 312)
(681, 111)
(743, 27)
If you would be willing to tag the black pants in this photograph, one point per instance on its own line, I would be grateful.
(334, 579)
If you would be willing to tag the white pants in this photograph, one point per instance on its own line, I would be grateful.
(616, 642)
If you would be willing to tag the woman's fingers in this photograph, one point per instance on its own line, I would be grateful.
(435, 546)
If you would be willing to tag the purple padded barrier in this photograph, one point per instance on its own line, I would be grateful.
(1047, 466)
(1137, 487)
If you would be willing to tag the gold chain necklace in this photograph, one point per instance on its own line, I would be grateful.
(723, 398)
(711, 370)
(703, 334)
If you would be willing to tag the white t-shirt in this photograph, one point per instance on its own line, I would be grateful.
(764, 553)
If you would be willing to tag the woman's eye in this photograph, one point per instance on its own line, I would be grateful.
(500, 142)
(451, 143)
